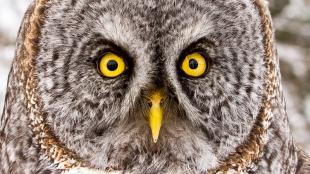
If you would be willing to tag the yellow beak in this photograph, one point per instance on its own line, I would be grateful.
(156, 114)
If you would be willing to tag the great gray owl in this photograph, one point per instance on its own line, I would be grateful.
(150, 86)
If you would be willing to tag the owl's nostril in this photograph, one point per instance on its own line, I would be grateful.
(149, 103)
(161, 102)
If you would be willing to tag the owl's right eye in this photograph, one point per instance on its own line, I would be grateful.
(111, 65)
(195, 64)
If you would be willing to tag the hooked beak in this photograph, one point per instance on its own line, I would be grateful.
(156, 113)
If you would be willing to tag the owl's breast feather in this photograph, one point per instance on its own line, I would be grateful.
(88, 171)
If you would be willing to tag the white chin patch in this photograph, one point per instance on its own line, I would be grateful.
(88, 171)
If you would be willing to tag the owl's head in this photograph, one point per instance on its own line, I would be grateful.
(150, 85)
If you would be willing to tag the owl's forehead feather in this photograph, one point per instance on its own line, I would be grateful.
(171, 23)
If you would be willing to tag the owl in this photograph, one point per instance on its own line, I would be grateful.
(146, 87)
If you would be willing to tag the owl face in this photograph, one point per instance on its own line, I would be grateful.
(151, 84)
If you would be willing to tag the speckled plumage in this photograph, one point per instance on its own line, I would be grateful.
(60, 113)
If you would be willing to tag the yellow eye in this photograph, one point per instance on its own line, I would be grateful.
(194, 65)
(111, 65)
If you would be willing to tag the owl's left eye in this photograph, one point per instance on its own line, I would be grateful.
(111, 65)
(195, 65)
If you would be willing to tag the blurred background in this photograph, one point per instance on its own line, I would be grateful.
(292, 23)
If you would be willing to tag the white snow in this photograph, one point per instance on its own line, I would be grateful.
(298, 9)
(293, 55)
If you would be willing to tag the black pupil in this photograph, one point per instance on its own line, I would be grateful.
(112, 65)
(193, 64)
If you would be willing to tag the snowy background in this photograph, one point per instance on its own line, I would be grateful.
(292, 22)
